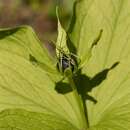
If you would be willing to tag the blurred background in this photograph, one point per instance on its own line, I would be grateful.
(40, 14)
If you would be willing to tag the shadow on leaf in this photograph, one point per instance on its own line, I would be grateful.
(9, 32)
(84, 83)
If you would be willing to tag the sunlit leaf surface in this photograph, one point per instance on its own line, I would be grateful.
(29, 77)
(28, 99)
(112, 110)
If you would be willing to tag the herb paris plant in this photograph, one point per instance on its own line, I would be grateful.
(98, 97)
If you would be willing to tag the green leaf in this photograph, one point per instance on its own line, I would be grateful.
(19, 119)
(80, 35)
(28, 88)
(24, 42)
(112, 110)
(110, 16)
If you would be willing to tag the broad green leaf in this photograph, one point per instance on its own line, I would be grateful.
(80, 32)
(19, 119)
(24, 42)
(112, 110)
(28, 88)
(112, 16)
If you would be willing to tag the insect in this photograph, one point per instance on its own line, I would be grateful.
(66, 60)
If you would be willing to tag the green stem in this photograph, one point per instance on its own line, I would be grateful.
(79, 102)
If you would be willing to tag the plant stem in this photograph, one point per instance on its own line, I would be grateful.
(79, 102)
